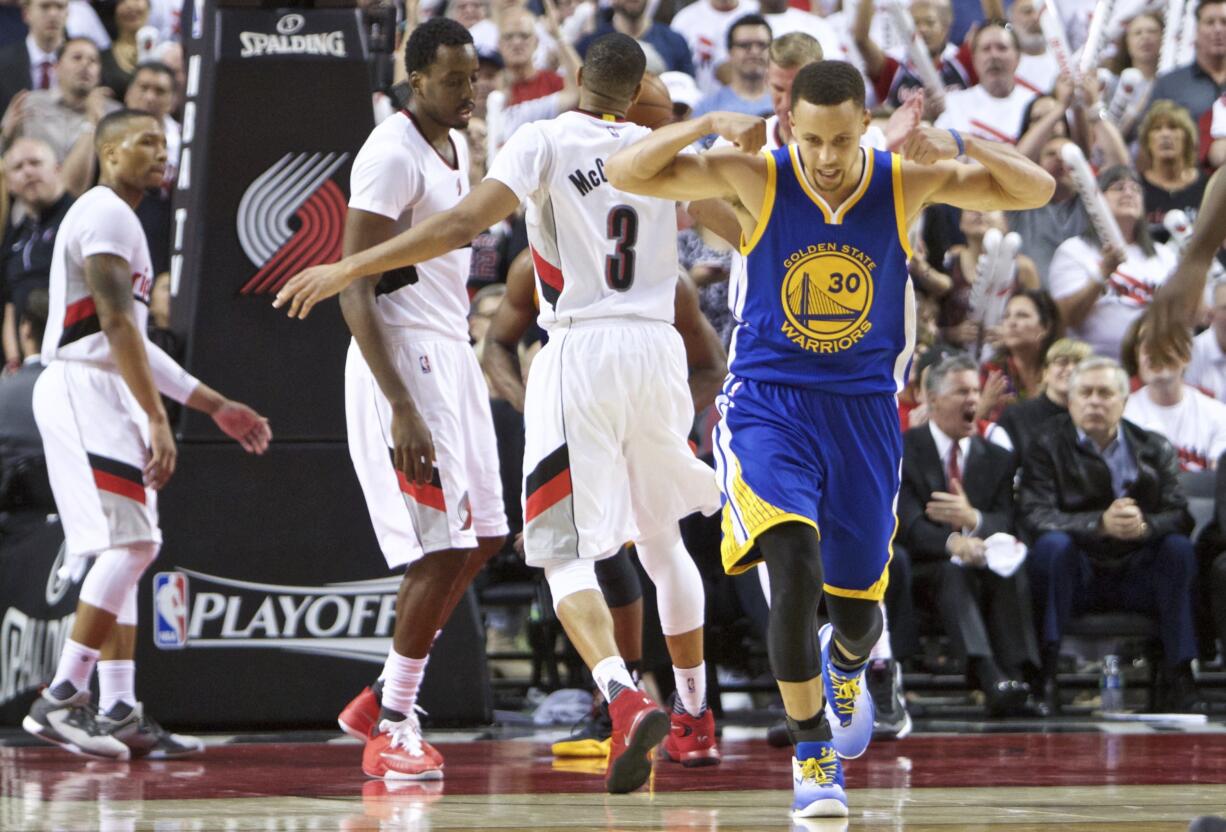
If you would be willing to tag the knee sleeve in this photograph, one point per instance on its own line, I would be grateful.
(793, 558)
(115, 573)
(619, 580)
(127, 613)
(857, 623)
(570, 577)
(679, 593)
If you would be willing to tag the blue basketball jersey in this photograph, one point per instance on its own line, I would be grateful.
(825, 301)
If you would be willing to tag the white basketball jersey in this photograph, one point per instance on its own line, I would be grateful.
(399, 175)
(598, 252)
(97, 223)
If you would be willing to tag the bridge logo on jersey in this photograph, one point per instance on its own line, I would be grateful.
(827, 294)
(351, 620)
(290, 218)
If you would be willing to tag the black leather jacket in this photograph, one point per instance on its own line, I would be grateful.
(1066, 488)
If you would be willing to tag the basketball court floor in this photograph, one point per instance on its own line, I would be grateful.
(1141, 778)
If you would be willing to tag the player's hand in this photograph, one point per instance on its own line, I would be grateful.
(162, 453)
(1166, 329)
(929, 145)
(903, 120)
(309, 287)
(748, 133)
(413, 447)
(244, 426)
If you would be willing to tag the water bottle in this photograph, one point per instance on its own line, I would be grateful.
(1112, 686)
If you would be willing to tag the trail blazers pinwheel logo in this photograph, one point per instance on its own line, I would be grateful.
(291, 217)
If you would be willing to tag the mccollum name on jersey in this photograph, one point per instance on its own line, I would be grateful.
(592, 178)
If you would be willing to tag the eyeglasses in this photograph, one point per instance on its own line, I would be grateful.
(512, 36)
(1123, 186)
(752, 45)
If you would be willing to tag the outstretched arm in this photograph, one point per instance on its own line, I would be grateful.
(488, 203)
(1003, 179)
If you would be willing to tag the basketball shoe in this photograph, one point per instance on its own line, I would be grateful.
(143, 736)
(66, 718)
(691, 741)
(360, 715)
(638, 727)
(849, 705)
(589, 738)
(398, 752)
(817, 782)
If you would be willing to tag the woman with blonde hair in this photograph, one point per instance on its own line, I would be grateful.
(1166, 159)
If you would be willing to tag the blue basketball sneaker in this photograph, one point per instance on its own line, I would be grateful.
(817, 782)
(849, 705)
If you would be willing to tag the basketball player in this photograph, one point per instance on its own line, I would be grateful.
(606, 408)
(617, 576)
(108, 443)
(417, 408)
(810, 435)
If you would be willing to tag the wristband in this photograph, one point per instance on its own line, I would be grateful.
(958, 138)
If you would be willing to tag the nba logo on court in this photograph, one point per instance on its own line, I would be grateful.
(169, 610)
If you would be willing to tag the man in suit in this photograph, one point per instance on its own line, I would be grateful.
(23, 473)
(957, 491)
(1100, 498)
(30, 64)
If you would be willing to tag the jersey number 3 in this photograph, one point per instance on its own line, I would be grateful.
(623, 229)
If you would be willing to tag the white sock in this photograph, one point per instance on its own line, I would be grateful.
(882, 649)
(692, 688)
(76, 664)
(387, 664)
(116, 683)
(611, 676)
(402, 679)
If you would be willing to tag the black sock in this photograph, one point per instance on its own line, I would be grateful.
(814, 729)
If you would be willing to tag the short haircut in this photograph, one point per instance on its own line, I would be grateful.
(956, 363)
(828, 84)
(422, 49)
(944, 7)
(158, 67)
(59, 53)
(743, 21)
(117, 122)
(794, 50)
(1204, 4)
(1161, 113)
(1004, 26)
(1067, 348)
(42, 144)
(614, 66)
(1099, 362)
(35, 313)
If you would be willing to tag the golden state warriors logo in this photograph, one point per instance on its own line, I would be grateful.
(826, 296)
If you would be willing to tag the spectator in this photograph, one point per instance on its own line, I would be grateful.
(60, 116)
(785, 19)
(25, 257)
(170, 54)
(153, 90)
(630, 18)
(956, 492)
(20, 442)
(1036, 68)
(704, 25)
(1208, 367)
(958, 327)
(1101, 500)
(119, 62)
(992, 109)
(473, 15)
(1044, 229)
(517, 43)
(895, 82)
(1196, 86)
(684, 93)
(748, 43)
(529, 94)
(1216, 155)
(1101, 291)
(1211, 552)
(1139, 46)
(1195, 424)
(30, 64)
(1021, 422)
(1048, 116)
(1171, 179)
(1015, 371)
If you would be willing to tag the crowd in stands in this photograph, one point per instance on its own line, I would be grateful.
(1047, 452)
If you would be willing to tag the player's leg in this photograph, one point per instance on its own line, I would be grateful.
(120, 713)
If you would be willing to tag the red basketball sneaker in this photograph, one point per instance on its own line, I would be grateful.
(691, 741)
(397, 752)
(638, 727)
(360, 715)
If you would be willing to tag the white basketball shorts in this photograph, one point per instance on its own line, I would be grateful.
(607, 457)
(464, 500)
(96, 438)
